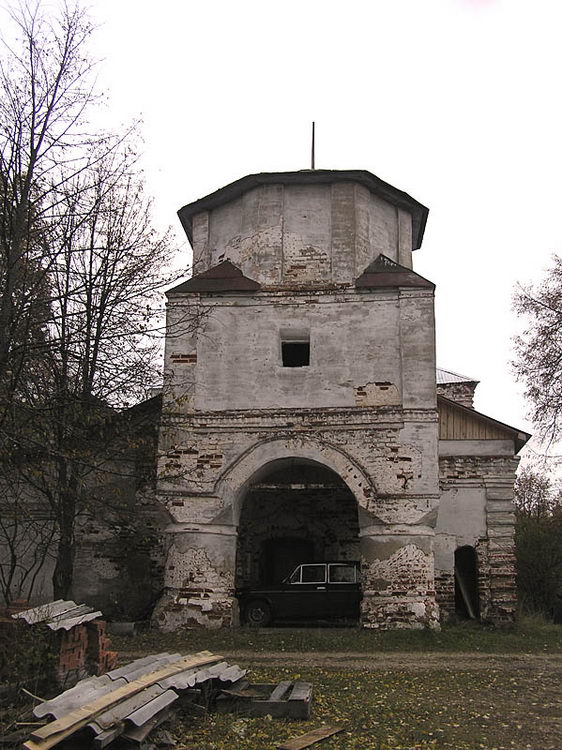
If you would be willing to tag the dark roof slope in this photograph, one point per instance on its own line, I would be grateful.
(384, 272)
(224, 277)
(310, 177)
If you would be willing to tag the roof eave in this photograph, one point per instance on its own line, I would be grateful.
(520, 438)
(230, 192)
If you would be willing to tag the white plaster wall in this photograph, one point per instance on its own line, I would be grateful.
(462, 514)
(293, 234)
(352, 345)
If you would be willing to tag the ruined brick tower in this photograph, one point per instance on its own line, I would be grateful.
(300, 418)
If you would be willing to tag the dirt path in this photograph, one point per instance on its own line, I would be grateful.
(408, 661)
(405, 661)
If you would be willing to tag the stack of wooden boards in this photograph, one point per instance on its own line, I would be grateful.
(290, 700)
(130, 701)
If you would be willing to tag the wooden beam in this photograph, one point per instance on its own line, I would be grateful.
(308, 739)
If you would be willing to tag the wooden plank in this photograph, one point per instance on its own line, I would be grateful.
(138, 734)
(279, 691)
(308, 739)
(301, 691)
(53, 733)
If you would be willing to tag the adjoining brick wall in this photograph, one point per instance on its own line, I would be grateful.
(502, 605)
(462, 393)
(495, 547)
(445, 594)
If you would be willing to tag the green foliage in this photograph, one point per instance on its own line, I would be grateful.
(538, 539)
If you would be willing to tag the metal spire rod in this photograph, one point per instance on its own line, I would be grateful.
(312, 154)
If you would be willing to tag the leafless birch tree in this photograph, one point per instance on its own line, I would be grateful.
(81, 276)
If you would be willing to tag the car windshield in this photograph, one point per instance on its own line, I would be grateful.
(295, 576)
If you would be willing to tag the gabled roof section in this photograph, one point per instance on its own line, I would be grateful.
(458, 422)
(384, 272)
(448, 376)
(310, 177)
(224, 277)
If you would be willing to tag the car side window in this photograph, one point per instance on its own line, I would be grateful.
(342, 574)
(313, 574)
(295, 576)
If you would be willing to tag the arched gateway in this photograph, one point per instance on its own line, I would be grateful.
(299, 415)
(281, 503)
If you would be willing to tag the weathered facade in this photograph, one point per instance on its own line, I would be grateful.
(300, 418)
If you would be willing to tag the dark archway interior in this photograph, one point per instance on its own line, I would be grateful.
(467, 600)
(294, 512)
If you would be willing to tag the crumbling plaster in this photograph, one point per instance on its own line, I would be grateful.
(364, 407)
(303, 234)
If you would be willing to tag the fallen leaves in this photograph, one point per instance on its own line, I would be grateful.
(401, 710)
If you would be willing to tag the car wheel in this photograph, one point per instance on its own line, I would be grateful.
(258, 613)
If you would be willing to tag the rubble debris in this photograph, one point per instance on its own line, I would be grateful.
(310, 738)
(80, 639)
(129, 701)
(286, 700)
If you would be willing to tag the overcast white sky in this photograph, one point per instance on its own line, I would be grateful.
(457, 102)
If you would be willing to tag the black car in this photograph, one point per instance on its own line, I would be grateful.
(313, 591)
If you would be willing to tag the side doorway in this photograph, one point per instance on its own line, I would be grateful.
(467, 600)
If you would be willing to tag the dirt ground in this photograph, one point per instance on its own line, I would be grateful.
(405, 661)
(403, 701)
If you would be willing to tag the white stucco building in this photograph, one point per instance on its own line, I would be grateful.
(304, 417)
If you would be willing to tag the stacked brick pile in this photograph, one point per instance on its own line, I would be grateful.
(80, 651)
(100, 658)
(72, 648)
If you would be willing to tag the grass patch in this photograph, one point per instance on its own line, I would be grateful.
(531, 635)
(384, 710)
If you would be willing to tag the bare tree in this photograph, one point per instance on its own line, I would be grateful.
(538, 361)
(81, 275)
(103, 344)
(26, 537)
(45, 92)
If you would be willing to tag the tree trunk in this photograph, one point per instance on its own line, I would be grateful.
(64, 566)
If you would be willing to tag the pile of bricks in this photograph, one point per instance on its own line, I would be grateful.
(81, 651)
(100, 658)
(71, 655)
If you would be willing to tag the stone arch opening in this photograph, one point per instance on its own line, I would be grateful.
(233, 485)
(294, 511)
(467, 599)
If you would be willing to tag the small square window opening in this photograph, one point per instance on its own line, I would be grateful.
(295, 353)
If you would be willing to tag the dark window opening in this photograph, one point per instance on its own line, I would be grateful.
(295, 353)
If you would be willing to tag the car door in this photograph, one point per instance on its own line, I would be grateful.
(304, 594)
(342, 591)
